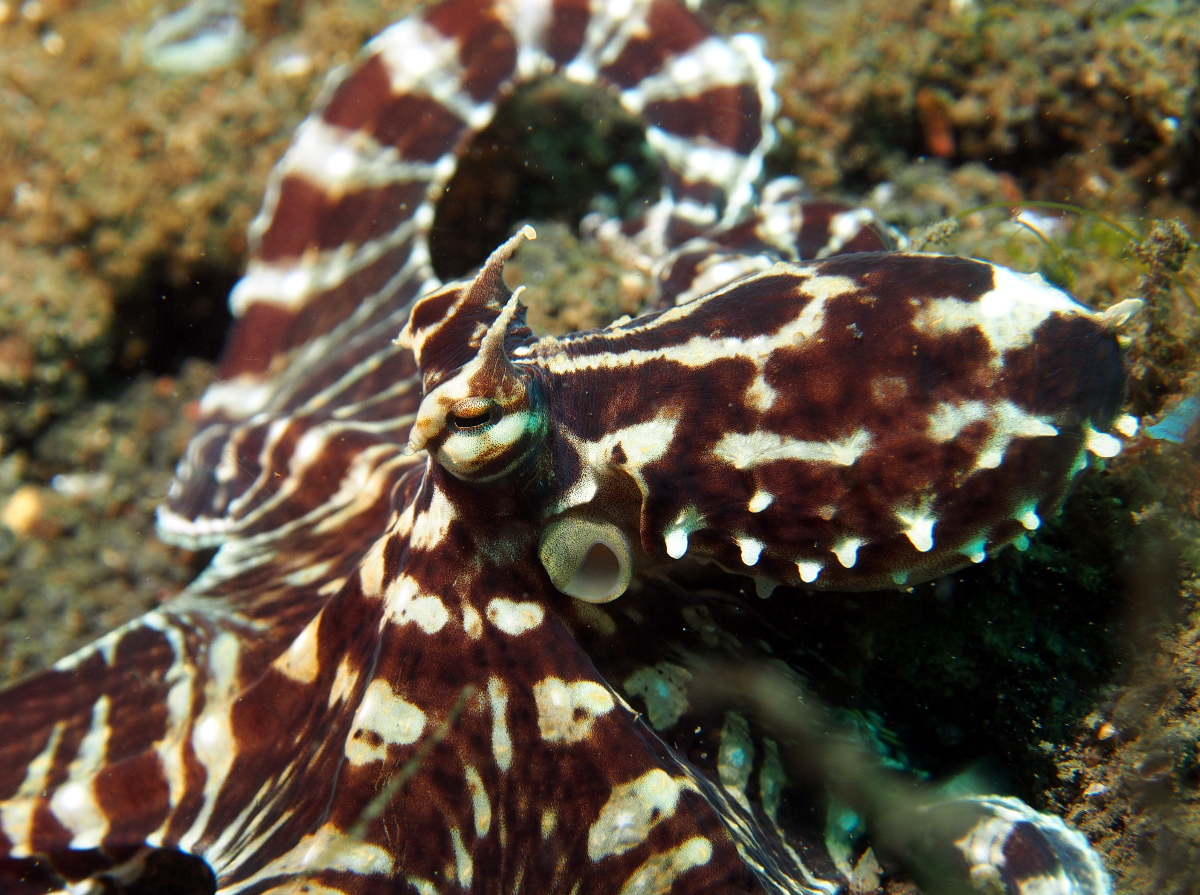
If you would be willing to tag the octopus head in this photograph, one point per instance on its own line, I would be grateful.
(482, 419)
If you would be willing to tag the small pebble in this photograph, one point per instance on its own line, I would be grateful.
(200, 37)
(82, 485)
(24, 510)
(53, 43)
(32, 11)
(292, 63)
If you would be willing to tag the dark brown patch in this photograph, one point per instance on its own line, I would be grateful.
(325, 310)
(362, 216)
(567, 29)
(255, 340)
(916, 276)
(295, 220)
(419, 127)
(1072, 366)
(1027, 854)
(357, 102)
(137, 715)
(487, 50)
(670, 31)
(729, 116)
(307, 217)
(135, 796)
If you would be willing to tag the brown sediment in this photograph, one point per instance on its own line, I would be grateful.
(78, 555)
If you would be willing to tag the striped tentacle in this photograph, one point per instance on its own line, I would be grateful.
(543, 781)
(341, 245)
(651, 641)
(194, 726)
(787, 225)
(282, 774)
(647, 644)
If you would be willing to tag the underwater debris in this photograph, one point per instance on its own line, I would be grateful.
(1175, 426)
(912, 822)
(200, 37)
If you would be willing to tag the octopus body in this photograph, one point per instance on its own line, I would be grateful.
(437, 649)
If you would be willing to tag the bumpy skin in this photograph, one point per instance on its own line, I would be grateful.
(374, 686)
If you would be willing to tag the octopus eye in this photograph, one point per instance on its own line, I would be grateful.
(472, 415)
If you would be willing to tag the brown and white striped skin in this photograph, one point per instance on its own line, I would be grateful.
(383, 506)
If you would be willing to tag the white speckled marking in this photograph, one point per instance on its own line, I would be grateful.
(676, 541)
(1007, 315)
(976, 551)
(472, 623)
(847, 552)
(1009, 422)
(676, 535)
(74, 803)
(481, 806)
(464, 867)
(750, 449)
(948, 420)
(386, 715)
(809, 570)
(659, 872)
(567, 711)
(1127, 425)
(759, 501)
(641, 443)
(1100, 444)
(513, 617)
(502, 749)
(918, 529)
(406, 605)
(430, 526)
(632, 810)
(751, 549)
(301, 660)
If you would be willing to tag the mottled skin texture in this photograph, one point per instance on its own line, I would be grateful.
(863, 421)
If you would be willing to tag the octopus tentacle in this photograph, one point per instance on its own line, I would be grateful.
(341, 246)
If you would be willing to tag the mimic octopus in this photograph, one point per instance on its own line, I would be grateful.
(429, 654)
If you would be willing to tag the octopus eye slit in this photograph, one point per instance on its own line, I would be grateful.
(475, 421)
(472, 415)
